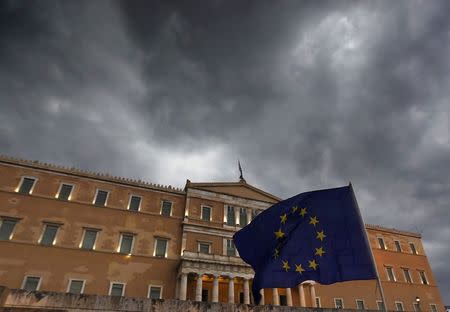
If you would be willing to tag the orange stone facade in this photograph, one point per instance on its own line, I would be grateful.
(68, 230)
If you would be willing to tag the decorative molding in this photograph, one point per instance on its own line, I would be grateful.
(391, 230)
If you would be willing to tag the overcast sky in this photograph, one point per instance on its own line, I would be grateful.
(307, 94)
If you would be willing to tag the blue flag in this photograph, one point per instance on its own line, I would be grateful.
(317, 236)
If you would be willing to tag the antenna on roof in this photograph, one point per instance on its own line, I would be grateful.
(241, 176)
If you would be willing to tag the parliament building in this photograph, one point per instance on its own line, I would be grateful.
(69, 230)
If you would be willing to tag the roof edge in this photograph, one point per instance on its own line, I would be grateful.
(391, 230)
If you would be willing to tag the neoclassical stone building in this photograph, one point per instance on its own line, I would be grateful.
(68, 230)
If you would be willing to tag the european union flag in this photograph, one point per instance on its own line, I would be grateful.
(317, 235)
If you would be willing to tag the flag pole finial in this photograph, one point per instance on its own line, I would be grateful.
(241, 176)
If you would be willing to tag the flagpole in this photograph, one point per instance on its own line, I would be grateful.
(370, 248)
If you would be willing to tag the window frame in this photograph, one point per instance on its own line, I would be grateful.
(210, 213)
(22, 178)
(162, 205)
(393, 273)
(363, 304)
(398, 246)
(414, 249)
(117, 282)
(78, 280)
(335, 303)
(58, 225)
(425, 276)
(317, 302)
(155, 286)
(409, 274)
(120, 243)
(416, 307)
(226, 248)
(85, 229)
(106, 199)
(5, 218)
(384, 243)
(401, 303)
(380, 303)
(243, 209)
(227, 222)
(129, 202)
(199, 243)
(38, 287)
(156, 244)
(435, 307)
(60, 188)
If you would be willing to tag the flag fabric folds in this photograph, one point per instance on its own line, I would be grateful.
(316, 235)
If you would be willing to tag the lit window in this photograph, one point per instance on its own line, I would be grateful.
(76, 286)
(397, 246)
(231, 219)
(155, 292)
(433, 307)
(64, 191)
(399, 306)
(204, 248)
(49, 235)
(231, 250)
(117, 289)
(380, 306)
(100, 198)
(338, 303)
(360, 304)
(407, 275)
(126, 243)
(243, 217)
(423, 278)
(6, 228)
(166, 208)
(135, 203)
(318, 304)
(413, 248)
(160, 248)
(89, 238)
(381, 243)
(31, 283)
(206, 213)
(26, 187)
(390, 274)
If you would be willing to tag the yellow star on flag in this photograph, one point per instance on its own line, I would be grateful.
(313, 220)
(303, 212)
(321, 235)
(313, 265)
(279, 234)
(286, 266)
(299, 269)
(319, 251)
(283, 218)
(294, 209)
(276, 253)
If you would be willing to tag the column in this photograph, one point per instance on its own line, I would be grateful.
(313, 295)
(198, 290)
(246, 291)
(249, 215)
(275, 297)
(215, 291)
(262, 297)
(289, 297)
(301, 292)
(183, 286)
(231, 290)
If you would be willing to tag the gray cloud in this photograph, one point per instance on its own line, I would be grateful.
(306, 95)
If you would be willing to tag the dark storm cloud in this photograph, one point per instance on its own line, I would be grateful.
(308, 95)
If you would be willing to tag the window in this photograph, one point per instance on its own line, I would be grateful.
(397, 246)
(65, 190)
(416, 307)
(49, 235)
(318, 304)
(89, 238)
(390, 274)
(26, 185)
(126, 243)
(413, 248)
(360, 304)
(100, 198)
(231, 250)
(399, 306)
(206, 213)
(283, 300)
(231, 219)
(134, 203)
(204, 295)
(338, 303)
(154, 292)
(6, 228)
(243, 217)
(76, 286)
(166, 208)
(407, 275)
(31, 283)
(160, 248)
(423, 278)
(241, 297)
(381, 243)
(116, 289)
(380, 306)
(204, 248)
(433, 307)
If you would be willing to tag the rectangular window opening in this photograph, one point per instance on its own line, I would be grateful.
(204, 247)
(26, 187)
(381, 243)
(231, 218)
(160, 248)
(65, 191)
(166, 208)
(76, 287)
(423, 278)
(231, 249)
(243, 217)
(399, 306)
(380, 306)
(407, 275)
(338, 303)
(126, 243)
(49, 236)
(100, 198)
(89, 239)
(7, 228)
(390, 274)
(135, 203)
(206, 213)
(413, 248)
(433, 307)
(398, 247)
(31, 283)
(117, 289)
(155, 292)
(360, 304)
